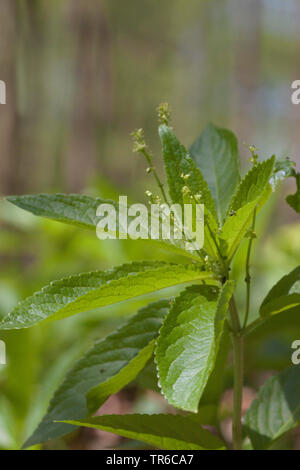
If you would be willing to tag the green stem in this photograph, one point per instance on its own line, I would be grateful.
(238, 352)
(235, 319)
(161, 186)
(218, 250)
(248, 276)
(153, 170)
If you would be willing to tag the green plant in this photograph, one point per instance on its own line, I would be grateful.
(188, 336)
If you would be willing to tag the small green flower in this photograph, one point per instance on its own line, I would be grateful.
(164, 113)
(139, 144)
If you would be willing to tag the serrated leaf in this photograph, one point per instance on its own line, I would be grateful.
(237, 225)
(215, 153)
(253, 184)
(285, 295)
(171, 432)
(211, 234)
(283, 169)
(188, 343)
(75, 209)
(147, 378)
(252, 193)
(88, 291)
(214, 388)
(111, 364)
(177, 162)
(80, 210)
(276, 409)
(294, 199)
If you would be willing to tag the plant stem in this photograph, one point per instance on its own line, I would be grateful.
(238, 351)
(235, 319)
(161, 186)
(153, 170)
(218, 249)
(248, 276)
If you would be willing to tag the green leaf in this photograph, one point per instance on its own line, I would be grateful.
(276, 409)
(285, 295)
(283, 169)
(147, 378)
(216, 383)
(188, 343)
(215, 153)
(80, 210)
(171, 432)
(177, 162)
(252, 193)
(88, 291)
(75, 209)
(206, 415)
(55, 373)
(111, 364)
(253, 184)
(211, 234)
(294, 199)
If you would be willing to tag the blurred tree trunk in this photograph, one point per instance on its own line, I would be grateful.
(8, 112)
(33, 163)
(92, 104)
(248, 31)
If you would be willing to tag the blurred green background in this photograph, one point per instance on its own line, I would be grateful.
(80, 76)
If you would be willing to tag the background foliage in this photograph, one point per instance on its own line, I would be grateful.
(80, 76)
